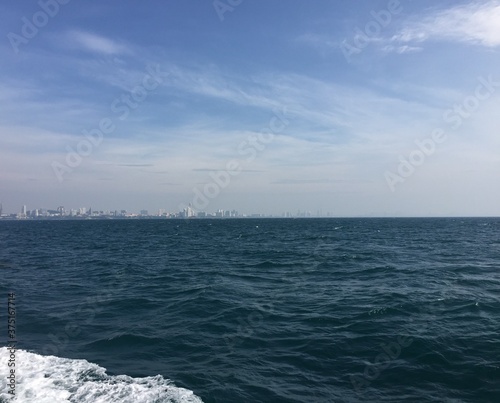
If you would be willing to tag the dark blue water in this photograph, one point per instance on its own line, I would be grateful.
(261, 310)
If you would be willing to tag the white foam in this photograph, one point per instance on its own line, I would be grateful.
(49, 379)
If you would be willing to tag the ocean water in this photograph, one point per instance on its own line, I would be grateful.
(253, 310)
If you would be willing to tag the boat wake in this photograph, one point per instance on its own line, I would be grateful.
(49, 379)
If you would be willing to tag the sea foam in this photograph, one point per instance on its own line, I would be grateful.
(49, 379)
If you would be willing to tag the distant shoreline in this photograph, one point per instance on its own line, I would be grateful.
(107, 218)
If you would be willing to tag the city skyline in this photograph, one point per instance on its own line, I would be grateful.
(388, 108)
(188, 212)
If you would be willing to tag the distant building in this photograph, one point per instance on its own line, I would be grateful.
(188, 212)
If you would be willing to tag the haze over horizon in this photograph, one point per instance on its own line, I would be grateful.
(386, 108)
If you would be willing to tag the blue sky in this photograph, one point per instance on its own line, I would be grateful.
(261, 106)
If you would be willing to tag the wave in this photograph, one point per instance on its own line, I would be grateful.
(269, 264)
(49, 379)
(124, 340)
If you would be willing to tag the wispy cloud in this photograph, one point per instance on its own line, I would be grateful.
(402, 49)
(96, 43)
(305, 181)
(476, 23)
(135, 165)
(220, 169)
(323, 43)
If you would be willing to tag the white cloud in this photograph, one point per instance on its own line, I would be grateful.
(321, 42)
(477, 23)
(96, 43)
(402, 49)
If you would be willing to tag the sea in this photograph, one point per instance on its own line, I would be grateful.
(250, 310)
